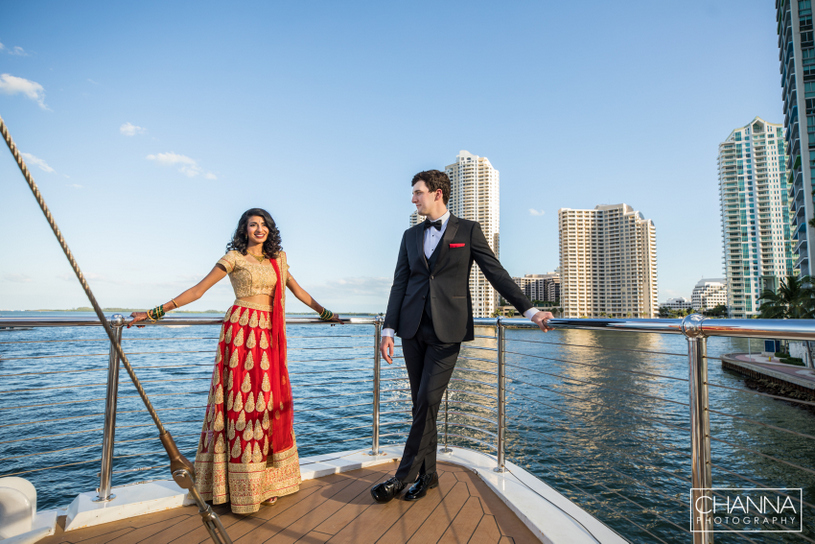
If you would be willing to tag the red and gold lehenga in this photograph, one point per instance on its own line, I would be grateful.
(247, 452)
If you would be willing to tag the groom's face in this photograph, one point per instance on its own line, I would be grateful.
(425, 201)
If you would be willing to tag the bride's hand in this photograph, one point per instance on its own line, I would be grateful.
(137, 316)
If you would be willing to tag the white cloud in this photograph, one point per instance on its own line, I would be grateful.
(31, 159)
(10, 84)
(17, 278)
(187, 166)
(92, 81)
(88, 276)
(2, 46)
(535, 212)
(76, 186)
(19, 51)
(129, 129)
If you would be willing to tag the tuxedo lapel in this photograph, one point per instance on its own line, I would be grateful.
(444, 245)
(420, 247)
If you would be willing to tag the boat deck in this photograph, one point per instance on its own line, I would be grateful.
(336, 508)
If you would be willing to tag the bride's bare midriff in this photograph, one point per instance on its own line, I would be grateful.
(258, 299)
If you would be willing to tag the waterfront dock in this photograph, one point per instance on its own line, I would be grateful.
(770, 368)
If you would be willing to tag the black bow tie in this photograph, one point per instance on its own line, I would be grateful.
(428, 223)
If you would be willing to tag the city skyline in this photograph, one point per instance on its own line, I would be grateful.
(148, 150)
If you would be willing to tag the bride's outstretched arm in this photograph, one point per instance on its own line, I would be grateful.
(192, 294)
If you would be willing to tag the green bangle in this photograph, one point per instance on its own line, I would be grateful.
(327, 315)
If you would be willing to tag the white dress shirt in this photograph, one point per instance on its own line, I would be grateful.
(432, 237)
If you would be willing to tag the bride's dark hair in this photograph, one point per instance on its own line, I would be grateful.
(240, 240)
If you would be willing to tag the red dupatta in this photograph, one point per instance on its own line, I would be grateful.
(282, 425)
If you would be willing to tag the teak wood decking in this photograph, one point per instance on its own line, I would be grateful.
(336, 509)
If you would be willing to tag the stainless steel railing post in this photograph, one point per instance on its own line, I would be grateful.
(375, 427)
(502, 394)
(116, 322)
(701, 479)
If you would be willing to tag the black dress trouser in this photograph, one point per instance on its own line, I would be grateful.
(430, 364)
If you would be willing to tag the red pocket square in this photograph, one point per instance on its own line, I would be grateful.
(457, 245)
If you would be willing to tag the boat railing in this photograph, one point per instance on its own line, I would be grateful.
(540, 380)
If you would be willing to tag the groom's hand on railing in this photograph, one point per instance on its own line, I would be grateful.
(541, 319)
(386, 348)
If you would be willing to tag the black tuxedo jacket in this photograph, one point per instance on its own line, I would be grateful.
(447, 284)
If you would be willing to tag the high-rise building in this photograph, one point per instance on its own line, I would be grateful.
(543, 287)
(796, 43)
(755, 211)
(474, 196)
(709, 293)
(608, 263)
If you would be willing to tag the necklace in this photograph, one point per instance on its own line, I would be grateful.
(260, 258)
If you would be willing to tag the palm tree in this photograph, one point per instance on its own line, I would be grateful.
(795, 299)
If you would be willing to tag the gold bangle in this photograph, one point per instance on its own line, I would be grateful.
(175, 303)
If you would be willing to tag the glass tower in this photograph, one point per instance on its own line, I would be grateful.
(755, 209)
(796, 45)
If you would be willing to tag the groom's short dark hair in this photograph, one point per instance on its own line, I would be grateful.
(434, 180)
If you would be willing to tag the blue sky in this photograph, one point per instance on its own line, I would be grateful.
(150, 127)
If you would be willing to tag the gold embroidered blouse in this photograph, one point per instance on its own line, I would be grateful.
(252, 278)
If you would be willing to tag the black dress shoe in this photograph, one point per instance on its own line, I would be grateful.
(387, 490)
(423, 483)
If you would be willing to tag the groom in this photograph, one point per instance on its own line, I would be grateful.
(430, 308)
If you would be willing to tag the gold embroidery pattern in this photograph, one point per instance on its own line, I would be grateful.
(252, 278)
(238, 340)
(248, 432)
(235, 461)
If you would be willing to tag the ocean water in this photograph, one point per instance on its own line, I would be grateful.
(602, 417)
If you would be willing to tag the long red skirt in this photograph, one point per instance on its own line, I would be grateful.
(247, 452)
